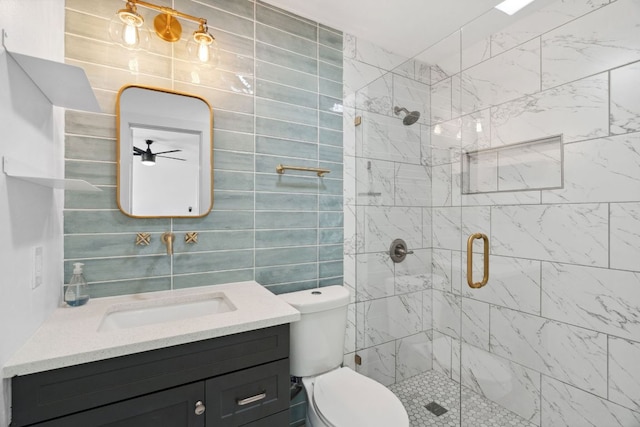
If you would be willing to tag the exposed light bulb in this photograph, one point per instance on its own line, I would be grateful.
(203, 52)
(127, 28)
(202, 47)
(478, 126)
(130, 35)
(437, 129)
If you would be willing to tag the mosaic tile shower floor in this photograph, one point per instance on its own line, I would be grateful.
(418, 391)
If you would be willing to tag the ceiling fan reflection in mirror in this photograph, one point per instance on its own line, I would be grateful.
(149, 158)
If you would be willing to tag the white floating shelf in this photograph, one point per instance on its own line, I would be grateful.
(64, 85)
(15, 170)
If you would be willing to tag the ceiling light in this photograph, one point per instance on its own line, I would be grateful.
(512, 6)
(127, 29)
(148, 159)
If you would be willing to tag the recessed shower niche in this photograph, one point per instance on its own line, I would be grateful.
(530, 165)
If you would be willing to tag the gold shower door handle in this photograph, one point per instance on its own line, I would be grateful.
(485, 277)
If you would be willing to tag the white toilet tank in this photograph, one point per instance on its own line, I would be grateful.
(317, 339)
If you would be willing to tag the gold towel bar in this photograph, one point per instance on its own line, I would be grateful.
(281, 168)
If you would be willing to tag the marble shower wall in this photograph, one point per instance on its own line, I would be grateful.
(387, 196)
(558, 324)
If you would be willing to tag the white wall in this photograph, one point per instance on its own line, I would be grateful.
(30, 216)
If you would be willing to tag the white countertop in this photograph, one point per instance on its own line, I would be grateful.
(70, 335)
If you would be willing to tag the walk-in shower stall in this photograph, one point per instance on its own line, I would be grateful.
(517, 187)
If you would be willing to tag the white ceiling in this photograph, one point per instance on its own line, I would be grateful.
(402, 26)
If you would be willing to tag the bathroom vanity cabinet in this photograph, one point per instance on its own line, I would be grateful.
(234, 380)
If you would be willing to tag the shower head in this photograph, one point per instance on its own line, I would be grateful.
(411, 116)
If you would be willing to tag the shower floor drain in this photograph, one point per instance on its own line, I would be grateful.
(435, 409)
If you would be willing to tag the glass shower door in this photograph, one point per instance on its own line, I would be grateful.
(547, 170)
(529, 231)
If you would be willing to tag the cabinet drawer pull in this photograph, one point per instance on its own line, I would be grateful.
(246, 401)
(200, 408)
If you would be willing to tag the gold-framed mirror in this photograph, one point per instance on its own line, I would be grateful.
(164, 153)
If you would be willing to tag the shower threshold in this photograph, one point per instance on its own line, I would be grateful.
(419, 392)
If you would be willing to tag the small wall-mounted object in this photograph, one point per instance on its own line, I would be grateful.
(357, 121)
(63, 85)
(191, 237)
(18, 170)
(319, 171)
(127, 29)
(143, 239)
(485, 275)
(398, 250)
(167, 238)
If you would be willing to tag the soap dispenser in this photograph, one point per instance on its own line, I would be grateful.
(77, 292)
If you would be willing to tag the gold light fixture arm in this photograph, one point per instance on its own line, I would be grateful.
(165, 24)
(485, 277)
(127, 29)
(170, 11)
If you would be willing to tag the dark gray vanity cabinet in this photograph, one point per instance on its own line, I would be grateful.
(236, 380)
(173, 407)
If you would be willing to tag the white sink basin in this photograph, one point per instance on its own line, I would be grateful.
(131, 315)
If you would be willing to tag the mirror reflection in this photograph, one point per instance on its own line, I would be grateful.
(164, 153)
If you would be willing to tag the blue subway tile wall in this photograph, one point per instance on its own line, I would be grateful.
(276, 96)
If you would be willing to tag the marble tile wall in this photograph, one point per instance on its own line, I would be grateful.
(387, 196)
(277, 98)
(557, 326)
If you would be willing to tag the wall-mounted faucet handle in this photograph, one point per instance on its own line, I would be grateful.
(143, 239)
(191, 237)
(398, 250)
(167, 238)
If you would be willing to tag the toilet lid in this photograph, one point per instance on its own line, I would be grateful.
(346, 398)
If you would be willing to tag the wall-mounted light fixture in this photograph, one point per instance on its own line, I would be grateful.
(127, 29)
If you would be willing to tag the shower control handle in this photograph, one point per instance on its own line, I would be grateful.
(399, 251)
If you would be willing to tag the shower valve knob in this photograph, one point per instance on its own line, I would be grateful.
(398, 250)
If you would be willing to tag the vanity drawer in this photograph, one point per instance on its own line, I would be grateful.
(56, 393)
(245, 396)
(170, 408)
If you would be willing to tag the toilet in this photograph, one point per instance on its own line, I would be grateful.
(336, 396)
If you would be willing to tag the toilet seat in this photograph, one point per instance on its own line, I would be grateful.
(345, 398)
